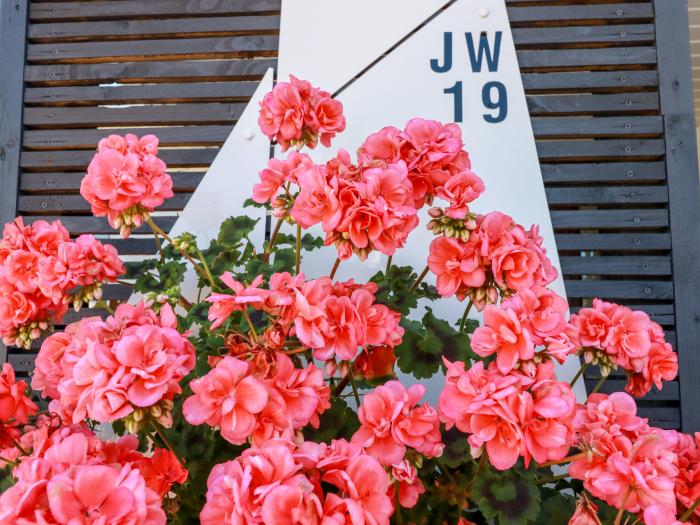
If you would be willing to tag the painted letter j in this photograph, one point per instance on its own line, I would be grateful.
(447, 64)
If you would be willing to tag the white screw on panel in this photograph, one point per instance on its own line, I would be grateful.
(248, 135)
(483, 12)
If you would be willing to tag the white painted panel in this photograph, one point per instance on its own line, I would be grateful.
(403, 85)
(328, 42)
(229, 182)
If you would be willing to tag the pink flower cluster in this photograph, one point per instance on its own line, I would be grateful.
(297, 114)
(130, 363)
(42, 271)
(498, 256)
(333, 319)
(126, 180)
(311, 484)
(73, 477)
(15, 407)
(514, 329)
(373, 205)
(616, 336)
(435, 159)
(391, 420)
(511, 415)
(625, 462)
(259, 402)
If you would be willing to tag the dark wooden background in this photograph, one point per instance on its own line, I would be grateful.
(608, 87)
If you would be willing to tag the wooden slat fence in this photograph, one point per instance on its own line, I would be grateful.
(607, 125)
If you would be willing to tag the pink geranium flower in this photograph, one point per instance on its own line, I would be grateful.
(126, 181)
(457, 265)
(509, 415)
(390, 421)
(42, 271)
(227, 397)
(14, 403)
(297, 114)
(504, 335)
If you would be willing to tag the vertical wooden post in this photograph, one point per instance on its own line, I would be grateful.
(676, 94)
(13, 29)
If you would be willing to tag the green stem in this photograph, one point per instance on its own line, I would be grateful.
(341, 385)
(354, 386)
(397, 505)
(186, 255)
(8, 461)
(464, 317)
(688, 513)
(105, 306)
(164, 438)
(388, 265)
(620, 513)
(298, 257)
(599, 384)
(551, 479)
(157, 238)
(19, 447)
(335, 267)
(250, 323)
(419, 279)
(204, 264)
(273, 239)
(580, 372)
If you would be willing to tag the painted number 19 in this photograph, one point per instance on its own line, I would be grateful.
(494, 96)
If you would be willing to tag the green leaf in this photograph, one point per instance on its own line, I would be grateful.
(510, 496)
(250, 203)
(557, 508)
(234, 229)
(339, 421)
(456, 452)
(421, 350)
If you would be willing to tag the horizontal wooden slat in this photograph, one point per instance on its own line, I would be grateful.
(180, 114)
(597, 127)
(129, 94)
(75, 160)
(610, 219)
(128, 28)
(580, 12)
(144, 50)
(134, 246)
(22, 362)
(631, 172)
(140, 72)
(216, 134)
(119, 292)
(70, 182)
(613, 242)
(592, 103)
(660, 313)
(629, 265)
(608, 195)
(97, 225)
(599, 149)
(605, 289)
(570, 36)
(54, 139)
(51, 11)
(33, 204)
(593, 58)
(669, 392)
(593, 81)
